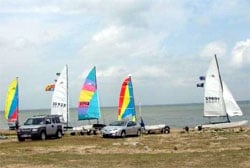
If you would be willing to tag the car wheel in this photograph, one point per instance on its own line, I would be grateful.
(59, 134)
(167, 129)
(43, 136)
(123, 134)
(20, 139)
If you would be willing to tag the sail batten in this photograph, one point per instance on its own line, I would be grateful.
(126, 105)
(88, 104)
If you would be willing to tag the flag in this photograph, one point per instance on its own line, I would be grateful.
(202, 78)
(200, 85)
(50, 87)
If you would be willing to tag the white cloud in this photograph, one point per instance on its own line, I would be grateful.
(216, 47)
(152, 40)
(241, 53)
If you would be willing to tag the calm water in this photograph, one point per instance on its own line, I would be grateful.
(176, 116)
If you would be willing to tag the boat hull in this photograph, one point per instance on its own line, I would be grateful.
(157, 128)
(226, 125)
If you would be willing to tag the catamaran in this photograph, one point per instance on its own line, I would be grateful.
(126, 108)
(12, 105)
(218, 100)
(88, 104)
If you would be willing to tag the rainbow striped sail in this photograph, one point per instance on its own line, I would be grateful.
(11, 103)
(88, 105)
(126, 107)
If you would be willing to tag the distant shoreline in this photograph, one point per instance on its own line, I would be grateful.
(145, 105)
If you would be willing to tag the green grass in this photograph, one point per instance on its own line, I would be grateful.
(204, 149)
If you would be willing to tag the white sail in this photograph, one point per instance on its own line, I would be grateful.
(231, 106)
(213, 99)
(59, 104)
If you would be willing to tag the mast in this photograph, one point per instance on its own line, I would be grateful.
(97, 120)
(67, 95)
(17, 119)
(133, 95)
(223, 102)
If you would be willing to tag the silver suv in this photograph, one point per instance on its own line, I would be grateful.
(41, 127)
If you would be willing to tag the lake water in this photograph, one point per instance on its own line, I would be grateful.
(176, 116)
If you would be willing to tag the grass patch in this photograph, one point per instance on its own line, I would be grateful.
(193, 149)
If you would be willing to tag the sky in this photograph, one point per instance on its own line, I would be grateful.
(164, 44)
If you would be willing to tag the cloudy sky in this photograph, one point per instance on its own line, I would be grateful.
(165, 44)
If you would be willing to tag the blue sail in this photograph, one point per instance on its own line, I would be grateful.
(88, 105)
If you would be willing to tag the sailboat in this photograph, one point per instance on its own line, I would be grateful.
(88, 104)
(12, 105)
(126, 105)
(218, 100)
(59, 104)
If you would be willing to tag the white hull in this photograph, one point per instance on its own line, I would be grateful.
(226, 125)
(83, 127)
(154, 127)
(162, 128)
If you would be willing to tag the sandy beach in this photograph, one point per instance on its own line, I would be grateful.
(208, 148)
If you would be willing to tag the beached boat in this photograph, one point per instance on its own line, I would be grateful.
(126, 104)
(12, 105)
(126, 108)
(218, 100)
(157, 128)
(88, 104)
(59, 104)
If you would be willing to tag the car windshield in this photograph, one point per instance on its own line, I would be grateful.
(118, 123)
(34, 121)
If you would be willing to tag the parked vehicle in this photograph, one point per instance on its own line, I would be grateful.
(41, 127)
(121, 129)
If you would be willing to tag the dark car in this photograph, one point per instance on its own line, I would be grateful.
(41, 127)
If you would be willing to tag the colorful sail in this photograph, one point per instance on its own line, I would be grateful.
(11, 106)
(126, 106)
(59, 104)
(88, 105)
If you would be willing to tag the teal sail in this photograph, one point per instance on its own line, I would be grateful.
(88, 105)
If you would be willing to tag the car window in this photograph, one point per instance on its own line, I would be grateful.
(53, 120)
(131, 123)
(118, 123)
(57, 120)
(48, 121)
(34, 121)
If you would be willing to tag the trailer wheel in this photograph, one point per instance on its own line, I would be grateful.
(167, 129)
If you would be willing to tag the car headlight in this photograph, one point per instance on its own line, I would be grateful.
(34, 130)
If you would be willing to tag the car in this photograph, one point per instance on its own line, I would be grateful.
(121, 129)
(41, 127)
